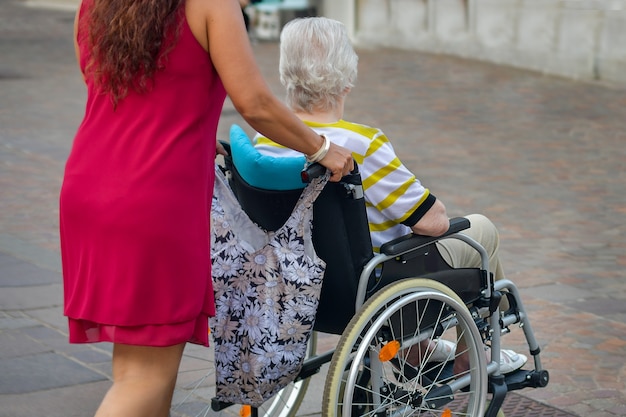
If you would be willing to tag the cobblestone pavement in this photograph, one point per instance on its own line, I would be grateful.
(544, 157)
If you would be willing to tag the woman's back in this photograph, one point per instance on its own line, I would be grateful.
(135, 196)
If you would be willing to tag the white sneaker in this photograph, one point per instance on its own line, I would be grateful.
(511, 361)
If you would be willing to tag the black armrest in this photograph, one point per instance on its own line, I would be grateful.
(411, 241)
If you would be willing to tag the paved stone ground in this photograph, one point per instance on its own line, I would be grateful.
(544, 157)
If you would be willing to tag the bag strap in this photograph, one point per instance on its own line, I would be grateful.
(313, 190)
(221, 189)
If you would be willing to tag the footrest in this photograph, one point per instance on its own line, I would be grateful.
(523, 378)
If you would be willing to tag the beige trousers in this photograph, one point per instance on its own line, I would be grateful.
(459, 254)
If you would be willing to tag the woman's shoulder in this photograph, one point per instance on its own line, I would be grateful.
(221, 14)
(196, 14)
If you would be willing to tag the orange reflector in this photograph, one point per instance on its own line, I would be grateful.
(389, 351)
(245, 411)
(446, 413)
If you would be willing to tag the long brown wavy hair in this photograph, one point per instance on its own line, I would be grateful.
(127, 42)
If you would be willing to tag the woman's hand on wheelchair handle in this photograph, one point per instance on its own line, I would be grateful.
(339, 161)
(220, 150)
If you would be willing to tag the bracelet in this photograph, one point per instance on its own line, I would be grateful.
(321, 152)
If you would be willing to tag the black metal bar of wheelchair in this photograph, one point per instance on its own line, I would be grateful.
(313, 365)
(310, 367)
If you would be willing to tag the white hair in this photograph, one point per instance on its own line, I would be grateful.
(317, 63)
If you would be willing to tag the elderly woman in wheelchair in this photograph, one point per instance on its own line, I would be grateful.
(318, 67)
(415, 296)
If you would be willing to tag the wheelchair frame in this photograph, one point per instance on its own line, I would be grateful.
(365, 379)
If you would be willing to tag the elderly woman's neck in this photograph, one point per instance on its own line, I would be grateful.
(320, 116)
(323, 116)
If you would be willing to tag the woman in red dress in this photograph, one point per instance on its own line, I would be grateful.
(139, 178)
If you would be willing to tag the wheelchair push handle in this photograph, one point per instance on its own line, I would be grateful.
(316, 170)
(311, 172)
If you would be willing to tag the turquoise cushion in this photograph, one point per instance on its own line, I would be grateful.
(264, 171)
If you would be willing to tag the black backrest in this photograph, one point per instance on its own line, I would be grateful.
(340, 237)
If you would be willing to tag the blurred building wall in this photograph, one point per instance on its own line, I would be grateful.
(584, 39)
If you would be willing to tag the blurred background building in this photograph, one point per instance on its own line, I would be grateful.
(582, 39)
(575, 38)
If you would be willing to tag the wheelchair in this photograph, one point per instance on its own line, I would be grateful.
(385, 307)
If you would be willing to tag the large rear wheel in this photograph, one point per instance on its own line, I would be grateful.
(383, 367)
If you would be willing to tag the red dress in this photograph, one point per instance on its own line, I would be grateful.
(134, 204)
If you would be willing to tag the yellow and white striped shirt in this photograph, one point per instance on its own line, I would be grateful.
(393, 195)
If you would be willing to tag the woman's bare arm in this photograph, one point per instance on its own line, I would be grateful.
(219, 27)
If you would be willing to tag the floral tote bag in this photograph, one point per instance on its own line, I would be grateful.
(267, 288)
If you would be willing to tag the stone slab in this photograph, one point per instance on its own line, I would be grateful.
(19, 273)
(42, 372)
(74, 401)
(25, 298)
